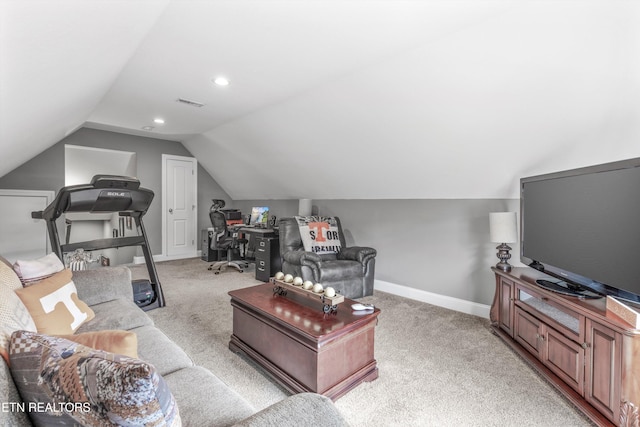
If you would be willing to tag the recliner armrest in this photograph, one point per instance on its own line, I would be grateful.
(301, 257)
(357, 253)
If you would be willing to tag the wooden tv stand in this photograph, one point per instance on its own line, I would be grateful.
(592, 357)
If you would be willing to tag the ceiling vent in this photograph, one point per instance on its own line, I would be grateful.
(192, 103)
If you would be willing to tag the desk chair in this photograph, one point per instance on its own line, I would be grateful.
(221, 240)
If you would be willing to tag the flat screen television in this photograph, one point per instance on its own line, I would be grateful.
(582, 227)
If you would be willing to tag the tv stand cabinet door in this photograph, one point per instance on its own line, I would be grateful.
(506, 305)
(603, 376)
(529, 332)
(565, 358)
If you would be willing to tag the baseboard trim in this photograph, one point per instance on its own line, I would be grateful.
(162, 257)
(457, 304)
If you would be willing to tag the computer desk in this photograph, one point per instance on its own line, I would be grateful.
(257, 231)
(265, 248)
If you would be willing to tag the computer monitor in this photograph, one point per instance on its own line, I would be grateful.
(259, 215)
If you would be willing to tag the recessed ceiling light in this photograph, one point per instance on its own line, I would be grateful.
(158, 120)
(221, 81)
(147, 127)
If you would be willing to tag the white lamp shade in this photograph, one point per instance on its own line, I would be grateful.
(304, 207)
(503, 227)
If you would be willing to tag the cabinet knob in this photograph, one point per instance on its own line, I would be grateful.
(585, 345)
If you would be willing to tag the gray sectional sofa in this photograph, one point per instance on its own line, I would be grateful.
(202, 398)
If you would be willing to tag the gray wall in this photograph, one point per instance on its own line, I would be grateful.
(46, 172)
(435, 245)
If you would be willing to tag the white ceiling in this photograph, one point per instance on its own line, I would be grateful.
(333, 98)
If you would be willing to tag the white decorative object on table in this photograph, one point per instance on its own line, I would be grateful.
(308, 290)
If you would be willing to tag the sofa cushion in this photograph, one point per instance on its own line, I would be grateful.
(111, 341)
(32, 271)
(116, 314)
(103, 284)
(224, 407)
(14, 316)
(302, 409)
(13, 415)
(54, 304)
(93, 387)
(156, 348)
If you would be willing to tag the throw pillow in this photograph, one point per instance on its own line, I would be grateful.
(112, 341)
(14, 316)
(5, 261)
(319, 234)
(69, 382)
(54, 304)
(8, 277)
(32, 271)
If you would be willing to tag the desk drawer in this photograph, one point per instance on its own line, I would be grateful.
(267, 254)
(264, 247)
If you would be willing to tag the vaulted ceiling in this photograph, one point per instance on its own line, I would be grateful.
(332, 98)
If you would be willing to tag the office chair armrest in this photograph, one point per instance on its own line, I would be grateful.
(357, 253)
(301, 257)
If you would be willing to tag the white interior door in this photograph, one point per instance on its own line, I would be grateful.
(179, 206)
(22, 237)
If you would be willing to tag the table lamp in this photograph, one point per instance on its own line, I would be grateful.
(305, 207)
(503, 229)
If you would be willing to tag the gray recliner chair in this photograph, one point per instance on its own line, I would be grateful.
(350, 272)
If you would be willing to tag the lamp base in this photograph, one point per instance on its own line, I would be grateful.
(503, 255)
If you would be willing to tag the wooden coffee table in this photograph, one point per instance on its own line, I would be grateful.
(300, 346)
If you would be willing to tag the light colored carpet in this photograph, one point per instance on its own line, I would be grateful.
(437, 367)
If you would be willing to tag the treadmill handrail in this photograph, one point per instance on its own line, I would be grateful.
(99, 185)
(98, 244)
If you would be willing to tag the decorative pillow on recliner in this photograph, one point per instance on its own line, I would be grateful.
(69, 381)
(319, 234)
(54, 304)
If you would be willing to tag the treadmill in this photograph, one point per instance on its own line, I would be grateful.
(105, 194)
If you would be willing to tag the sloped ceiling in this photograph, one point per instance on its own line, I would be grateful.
(334, 99)
(58, 59)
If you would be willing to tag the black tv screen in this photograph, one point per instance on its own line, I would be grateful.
(583, 226)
